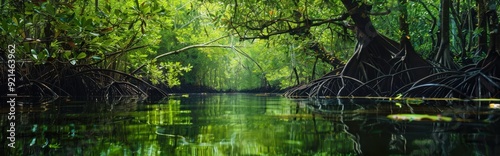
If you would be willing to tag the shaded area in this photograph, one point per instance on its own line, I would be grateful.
(51, 80)
(382, 67)
(471, 130)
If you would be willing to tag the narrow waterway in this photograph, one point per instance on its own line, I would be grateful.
(253, 124)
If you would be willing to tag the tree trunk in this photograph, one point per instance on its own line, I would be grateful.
(368, 71)
(482, 40)
(407, 60)
(444, 56)
(372, 54)
(313, 75)
(297, 80)
(461, 18)
(403, 24)
(491, 64)
(364, 27)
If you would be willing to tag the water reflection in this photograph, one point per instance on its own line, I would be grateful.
(473, 130)
(246, 124)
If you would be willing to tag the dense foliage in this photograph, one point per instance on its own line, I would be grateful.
(419, 48)
(226, 45)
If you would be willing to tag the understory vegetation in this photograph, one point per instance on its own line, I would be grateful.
(310, 48)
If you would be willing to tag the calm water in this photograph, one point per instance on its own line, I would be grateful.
(250, 124)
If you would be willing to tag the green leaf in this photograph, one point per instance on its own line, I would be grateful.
(34, 54)
(46, 51)
(66, 54)
(42, 55)
(67, 18)
(50, 8)
(88, 22)
(33, 129)
(81, 56)
(95, 57)
(33, 141)
(117, 12)
(94, 34)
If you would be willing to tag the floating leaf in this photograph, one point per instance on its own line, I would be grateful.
(494, 106)
(413, 101)
(418, 117)
(399, 104)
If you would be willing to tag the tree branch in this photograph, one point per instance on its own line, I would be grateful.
(312, 23)
(203, 45)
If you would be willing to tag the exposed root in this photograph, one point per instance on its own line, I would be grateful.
(54, 80)
(470, 84)
(371, 73)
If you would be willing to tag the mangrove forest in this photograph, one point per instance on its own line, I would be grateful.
(250, 77)
(416, 48)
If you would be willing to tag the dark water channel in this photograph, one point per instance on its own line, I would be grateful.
(254, 124)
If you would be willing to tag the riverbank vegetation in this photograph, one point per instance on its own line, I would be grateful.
(417, 48)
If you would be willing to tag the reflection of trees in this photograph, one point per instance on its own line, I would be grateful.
(77, 128)
(248, 125)
(473, 129)
(245, 125)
